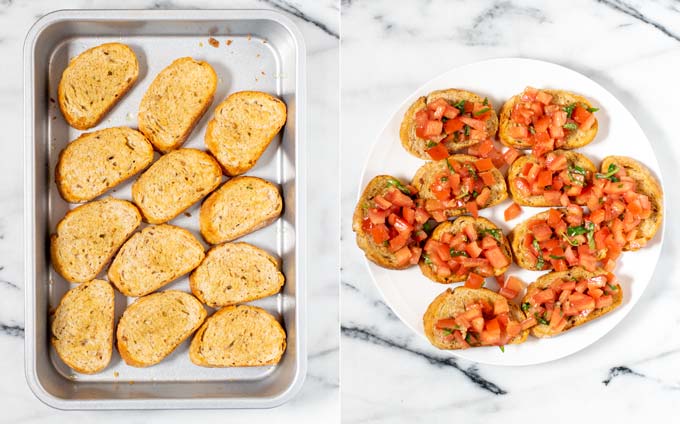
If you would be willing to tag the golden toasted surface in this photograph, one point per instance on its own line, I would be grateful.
(175, 102)
(241, 206)
(152, 327)
(238, 336)
(154, 257)
(418, 146)
(175, 182)
(96, 162)
(82, 329)
(243, 126)
(456, 227)
(575, 139)
(452, 302)
(235, 273)
(89, 235)
(576, 273)
(94, 82)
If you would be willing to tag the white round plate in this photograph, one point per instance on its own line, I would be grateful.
(409, 293)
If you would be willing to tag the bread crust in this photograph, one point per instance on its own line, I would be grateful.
(418, 146)
(578, 273)
(515, 170)
(561, 97)
(456, 227)
(424, 178)
(453, 301)
(646, 184)
(87, 122)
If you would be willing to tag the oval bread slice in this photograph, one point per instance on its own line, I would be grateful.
(577, 273)
(82, 330)
(175, 182)
(243, 126)
(89, 235)
(646, 184)
(238, 336)
(235, 273)
(152, 327)
(575, 139)
(452, 302)
(241, 206)
(175, 102)
(94, 81)
(154, 257)
(98, 161)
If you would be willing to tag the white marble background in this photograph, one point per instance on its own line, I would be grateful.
(319, 397)
(632, 48)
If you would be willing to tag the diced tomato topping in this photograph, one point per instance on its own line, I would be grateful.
(438, 152)
(496, 257)
(514, 283)
(511, 155)
(484, 165)
(474, 281)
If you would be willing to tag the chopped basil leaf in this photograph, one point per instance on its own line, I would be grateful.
(447, 331)
(460, 105)
(589, 235)
(574, 180)
(570, 126)
(444, 179)
(613, 169)
(471, 170)
(592, 109)
(532, 129)
(463, 193)
(502, 348)
(482, 111)
(576, 231)
(396, 183)
(475, 194)
(568, 240)
(526, 306)
(429, 225)
(448, 165)
(431, 144)
(427, 259)
(386, 243)
(575, 169)
(541, 261)
(466, 129)
(493, 232)
(612, 287)
(468, 338)
(455, 253)
(569, 109)
(557, 258)
(485, 102)
(444, 119)
(456, 137)
(540, 319)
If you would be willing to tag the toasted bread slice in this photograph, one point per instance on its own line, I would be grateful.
(96, 162)
(457, 227)
(418, 146)
(235, 273)
(175, 102)
(82, 330)
(241, 206)
(425, 176)
(152, 327)
(94, 81)
(377, 253)
(88, 236)
(574, 140)
(175, 182)
(238, 336)
(647, 185)
(452, 302)
(515, 171)
(154, 257)
(577, 273)
(243, 126)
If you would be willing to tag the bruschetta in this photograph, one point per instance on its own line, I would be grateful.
(458, 185)
(465, 317)
(388, 222)
(560, 301)
(627, 200)
(447, 121)
(467, 245)
(545, 120)
(554, 179)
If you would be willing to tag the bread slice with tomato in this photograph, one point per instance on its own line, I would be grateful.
(388, 222)
(454, 321)
(615, 172)
(459, 185)
(447, 121)
(466, 245)
(545, 120)
(542, 181)
(560, 301)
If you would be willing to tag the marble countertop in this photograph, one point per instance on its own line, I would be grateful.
(630, 47)
(319, 397)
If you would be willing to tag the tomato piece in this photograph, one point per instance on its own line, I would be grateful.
(403, 256)
(507, 293)
(443, 251)
(544, 97)
(528, 323)
(519, 132)
(544, 178)
(529, 94)
(409, 215)
(438, 152)
(511, 155)
(484, 165)
(453, 125)
(496, 257)
(552, 197)
(488, 178)
(559, 118)
(556, 318)
(402, 226)
(398, 242)
(380, 233)
(477, 124)
(580, 114)
(604, 301)
(544, 296)
(474, 281)
(451, 112)
(541, 231)
(556, 131)
(512, 212)
(433, 128)
(445, 323)
(483, 198)
(470, 232)
(472, 208)
(398, 198)
(473, 249)
(523, 186)
(500, 306)
(587, 261)
(488, 242)
(515, 284)
(582, 302)
(477, 324)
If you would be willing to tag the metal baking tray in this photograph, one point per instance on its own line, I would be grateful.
(258, 50)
